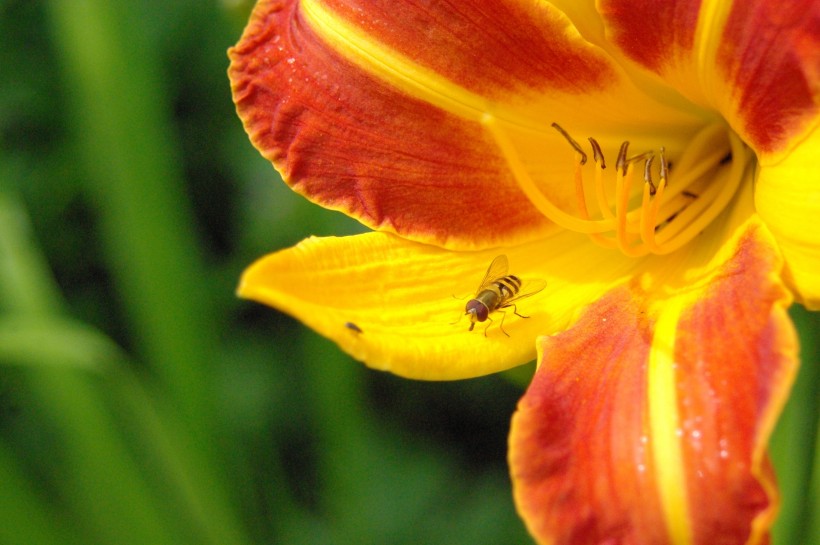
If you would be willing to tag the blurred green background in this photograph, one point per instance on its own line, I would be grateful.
(140, 401)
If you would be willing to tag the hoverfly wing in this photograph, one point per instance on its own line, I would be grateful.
(530, 286)
(496, 270)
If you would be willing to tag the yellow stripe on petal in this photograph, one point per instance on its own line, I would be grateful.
(562, 76)
(665, 425)
(711, 20)
(647, 421)
(392, 67)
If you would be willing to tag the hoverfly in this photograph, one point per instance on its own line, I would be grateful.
(499, 290)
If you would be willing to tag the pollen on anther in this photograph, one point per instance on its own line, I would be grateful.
(621, 163)
(575, 145)
(597, 154)
(647, 175)
(664, 170)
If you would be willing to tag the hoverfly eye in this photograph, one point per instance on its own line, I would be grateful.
(477, 309)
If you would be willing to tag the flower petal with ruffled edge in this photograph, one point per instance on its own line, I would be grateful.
(377, 110)
(647, 421)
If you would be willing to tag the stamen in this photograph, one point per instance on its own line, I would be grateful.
(596, 152)
(663, 218)
(600, 190)
(575, 145)
(664, 167)
(641, 157)
(647, 175)
(649, 219)
(605, 242)
(621, 162)
(531, 190)
(712, 207)
(624, 168)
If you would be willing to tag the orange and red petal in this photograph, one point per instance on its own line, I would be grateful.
(493, 49)
(769, 58)
(581, 471)
(353, 143)
(376, 109)
(755, 61)
(646, 423)
(652, 34)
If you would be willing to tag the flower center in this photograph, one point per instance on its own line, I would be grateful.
(659, 217)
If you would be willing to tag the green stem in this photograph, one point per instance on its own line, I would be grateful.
(81, 380)
(342, 434)
(813, 508)
(25, 283)
(135, 180)
(793, 443)
(27, 518)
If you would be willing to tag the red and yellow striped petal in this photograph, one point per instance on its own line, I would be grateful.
(756, 62)
(646, 422)
(653, 34)
(378, 109)
(769, 69)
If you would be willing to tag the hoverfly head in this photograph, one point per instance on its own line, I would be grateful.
(477, 310)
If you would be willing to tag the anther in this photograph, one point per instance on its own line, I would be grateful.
(640, 157)
(575, 145)
(597, 153)
(647, 175)
(664, 167)
(621, 163)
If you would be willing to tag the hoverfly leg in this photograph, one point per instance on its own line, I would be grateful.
(490, 320)
(515, 311)
(501, 324)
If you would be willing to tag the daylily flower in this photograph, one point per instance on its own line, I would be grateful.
(458, 132)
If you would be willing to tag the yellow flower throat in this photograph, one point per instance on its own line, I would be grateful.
(661, 217)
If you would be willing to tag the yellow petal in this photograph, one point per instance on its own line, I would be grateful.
(788, 199)
(399, 306)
